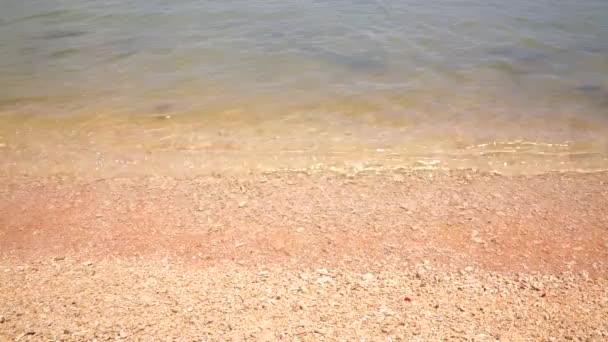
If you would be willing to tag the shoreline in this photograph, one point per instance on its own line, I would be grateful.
(305, 256)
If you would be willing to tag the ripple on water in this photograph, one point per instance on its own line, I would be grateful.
(485, 84)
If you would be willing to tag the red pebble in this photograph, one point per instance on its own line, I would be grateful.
(407, 299)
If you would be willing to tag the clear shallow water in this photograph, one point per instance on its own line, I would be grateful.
(197, 86)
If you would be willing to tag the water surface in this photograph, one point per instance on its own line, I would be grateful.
(201, 86)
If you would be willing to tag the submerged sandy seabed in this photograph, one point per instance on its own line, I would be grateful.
(190, 145)
(305, 256)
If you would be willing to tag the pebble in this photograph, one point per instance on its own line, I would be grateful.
(242, 204)
(1, 319)
(537, 286)
(322, 271)
(320, 331)
(398, 178)
(324, 279)
(368, 276)
(87, 263)
(22, 335)
(59, 258)
(476, 240)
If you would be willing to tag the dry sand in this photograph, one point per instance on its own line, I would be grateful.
(293, 256)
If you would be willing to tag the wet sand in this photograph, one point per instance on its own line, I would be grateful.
(305, 256)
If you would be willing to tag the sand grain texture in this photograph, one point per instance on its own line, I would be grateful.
(294, 256)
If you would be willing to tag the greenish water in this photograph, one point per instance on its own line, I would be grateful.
(186, 87)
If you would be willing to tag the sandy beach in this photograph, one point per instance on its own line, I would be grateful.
(381, 256)
(304, 170)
